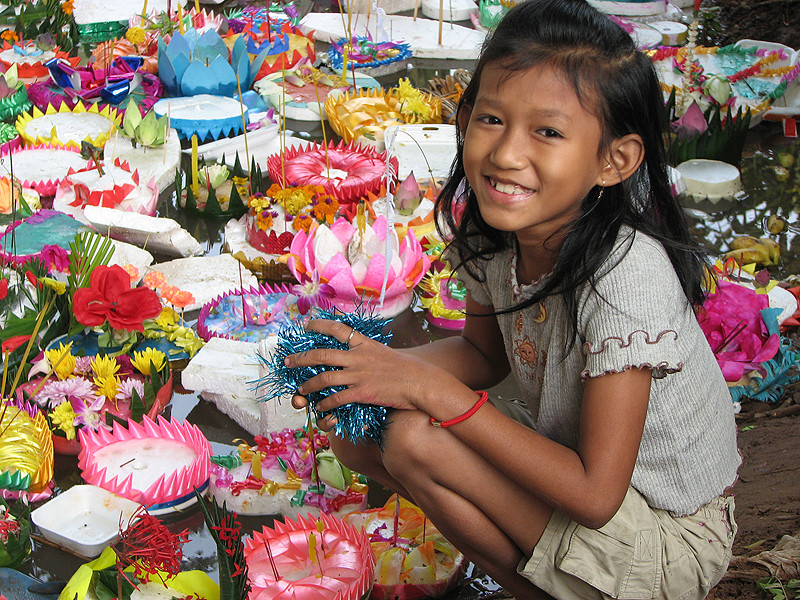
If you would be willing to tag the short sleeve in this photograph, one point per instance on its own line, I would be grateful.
(633, 315)
(477, 289)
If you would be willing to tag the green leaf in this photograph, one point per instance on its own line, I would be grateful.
(132, 119)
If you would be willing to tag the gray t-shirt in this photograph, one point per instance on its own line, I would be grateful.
(635, 316)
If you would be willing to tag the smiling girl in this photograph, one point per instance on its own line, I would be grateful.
(582, 278)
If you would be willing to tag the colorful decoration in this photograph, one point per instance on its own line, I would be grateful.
(13, 95)
(412, 559)
(29, 59)
(68, 127)
(208, 117)
(445, 298)
(26, 451)
(158, 464)
(353, 421)
(247, 315)
(365, 114)
(345, 171)
(15, 533)
(226, 531)
(195, 64)
(310, 558)
(363, 263)
(42, 167)
(283, 474)
(365, 53)
(219, 192)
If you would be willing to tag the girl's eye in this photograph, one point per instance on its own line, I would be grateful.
(490, 120)
(550, 133)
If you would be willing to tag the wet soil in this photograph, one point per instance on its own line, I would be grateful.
(767, 20)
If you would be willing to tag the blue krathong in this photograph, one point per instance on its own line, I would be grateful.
(355, 422)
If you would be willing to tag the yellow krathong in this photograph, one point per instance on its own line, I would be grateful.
(24, 120)
(367, 113)
(26, 445)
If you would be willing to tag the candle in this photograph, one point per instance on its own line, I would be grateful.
(144, 9)
(180, 18)
(194, 160)
(197, 7)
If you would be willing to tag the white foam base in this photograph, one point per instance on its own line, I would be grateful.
(452, 10)
(128, 254)
(223, 371)
(42, 164)
(99, 11)
(161, 235)
(152, 163)
(69, 126)
(207, 277)
(427, 150)
(655, 7)
(458, 43)
(236, 240)
(261, 143)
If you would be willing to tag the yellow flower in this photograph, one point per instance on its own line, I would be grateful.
(104, 366)
(62, 361)
(167, 318)
(259, 203)
(68, 7)
(135, 35)
(141, 360)
(59, 287)
(62, 417)
(107, 386)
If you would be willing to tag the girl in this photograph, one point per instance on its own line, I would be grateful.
(582, 277)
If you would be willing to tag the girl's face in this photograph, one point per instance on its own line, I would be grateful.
(531, 151)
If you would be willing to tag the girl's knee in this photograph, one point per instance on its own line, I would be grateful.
(407, 447)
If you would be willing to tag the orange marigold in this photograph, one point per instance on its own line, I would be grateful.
(9, 35)
(68, 7)
(303, 222)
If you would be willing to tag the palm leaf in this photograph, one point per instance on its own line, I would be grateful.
(88, 250)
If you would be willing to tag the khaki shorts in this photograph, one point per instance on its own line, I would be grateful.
(640, 553)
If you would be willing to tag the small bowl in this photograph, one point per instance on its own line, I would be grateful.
(84, 519)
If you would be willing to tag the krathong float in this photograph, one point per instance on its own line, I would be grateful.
(445, 299)
(286, 46)
(13, 95)
(26, 448)
(16, 201)
(274, 219)
(364, 263)
(117, 84)
(68, 127)
(194, 64)
(248, 315)
(44, 236)
(364, 115)
(112, 185)
(346, 171)
(42, 167)
(214, 190)
(9, 138)
(282, 474)
(372, 57)
(88, 392)
(413, 560)
(314, 558)
(29, 59)
(355, 422)
(206, 116)
(158, 464)
(299, 94)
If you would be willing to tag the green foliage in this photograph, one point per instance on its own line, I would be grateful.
(140, 406)
(772, 588)
(723, 140)
(149, 131)
(18, 545)
(709, 32)
(47, 18)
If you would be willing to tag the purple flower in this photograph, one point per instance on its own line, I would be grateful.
(128, 386)
(56, 392)
(311, 292)
(86, 414)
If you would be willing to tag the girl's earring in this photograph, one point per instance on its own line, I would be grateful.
(602, 189)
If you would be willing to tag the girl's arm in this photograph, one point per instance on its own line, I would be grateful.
(477, 358)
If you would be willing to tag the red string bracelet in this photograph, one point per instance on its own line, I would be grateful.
(482, 398)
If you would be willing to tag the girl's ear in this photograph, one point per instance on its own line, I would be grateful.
(464, 113)
(624, 157)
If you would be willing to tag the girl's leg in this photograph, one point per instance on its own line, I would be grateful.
(484, 514)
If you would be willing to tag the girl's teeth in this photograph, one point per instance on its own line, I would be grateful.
(508, 188)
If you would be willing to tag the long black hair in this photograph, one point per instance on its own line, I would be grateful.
(607, 71)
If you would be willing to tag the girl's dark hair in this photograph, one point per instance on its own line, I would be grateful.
(619, 85)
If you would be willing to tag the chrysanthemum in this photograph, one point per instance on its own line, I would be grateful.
(107, 387)
(128, 386)
(61, 360)
(57, 392)
(104, 366)
(142, 360)
(62, 417)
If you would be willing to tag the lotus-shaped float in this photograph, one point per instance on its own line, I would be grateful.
(193, 64)
(354, 263)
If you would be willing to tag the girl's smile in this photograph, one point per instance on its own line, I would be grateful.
(531, 151)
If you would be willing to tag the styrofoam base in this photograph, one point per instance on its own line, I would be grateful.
(427, 150)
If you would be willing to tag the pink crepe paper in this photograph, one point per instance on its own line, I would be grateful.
(732, 323)
(169, 486)
(362, 284)
(343, 553)
(365, 168)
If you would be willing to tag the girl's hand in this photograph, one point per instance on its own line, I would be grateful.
(372, 372)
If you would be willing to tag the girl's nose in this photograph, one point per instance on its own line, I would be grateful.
(508, 151)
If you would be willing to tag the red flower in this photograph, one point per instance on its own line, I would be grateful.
(15, 342)
(3, 288)
(111, 298)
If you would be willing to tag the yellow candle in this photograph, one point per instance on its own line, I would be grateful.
(144, 9)
(256, 465)
(344, 62)
(180, 18)
(197, 6)
(195, 184)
